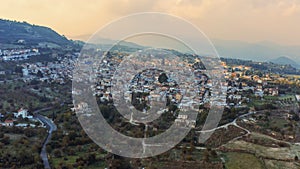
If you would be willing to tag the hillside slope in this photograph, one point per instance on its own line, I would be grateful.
(12, 32)
(285, 61)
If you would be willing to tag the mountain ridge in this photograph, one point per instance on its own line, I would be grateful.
(284, 60)
(21, 33)
(260, 51)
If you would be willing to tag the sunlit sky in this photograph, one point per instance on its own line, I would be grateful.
(246, 20)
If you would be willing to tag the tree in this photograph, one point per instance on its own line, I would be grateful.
(240, 86)
(5, 140)
(57, 153)
(18, 69)
(214, 153)
(296, 117)
(1, 134)
(163, 78)
(39, 74)
(65, 141)
(29, 132)
(206, 155)
(91, 158)
(34, 82)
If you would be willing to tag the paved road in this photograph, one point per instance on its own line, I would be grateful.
(51, 127)
(228, 124)
(235, 124)
(225, 126)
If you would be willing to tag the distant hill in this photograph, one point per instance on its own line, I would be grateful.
(264, 66)
(261, 51)
(23, 33)
(283, 60)
(104, 41)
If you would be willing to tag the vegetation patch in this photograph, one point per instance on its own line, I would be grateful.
(242, 161)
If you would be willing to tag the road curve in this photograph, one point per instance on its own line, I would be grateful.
(52, 127)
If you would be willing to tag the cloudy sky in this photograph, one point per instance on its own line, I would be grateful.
(246, 20)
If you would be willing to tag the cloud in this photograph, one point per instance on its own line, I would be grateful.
(247, 20)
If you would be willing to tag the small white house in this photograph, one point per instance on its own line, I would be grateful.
(9, 123)
(22, 113)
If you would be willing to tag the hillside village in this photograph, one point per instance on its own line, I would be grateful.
(241, 79)
(250, 95)
(18, 54)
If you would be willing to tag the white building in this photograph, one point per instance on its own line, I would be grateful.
(22, 113)
(298, 98)
(25, 72)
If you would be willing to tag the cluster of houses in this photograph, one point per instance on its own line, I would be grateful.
(186, 120)
(56, 71)
(260, 84)
(192, 92)
(18, 54)
(23, 114)
(147, 82)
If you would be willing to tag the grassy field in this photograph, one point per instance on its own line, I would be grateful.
(68, 161)
(265, 140)
(71, 159)
(284, 153)
(242, 161)
(272, 164)
(278, 122)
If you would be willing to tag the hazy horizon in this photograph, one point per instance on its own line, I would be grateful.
(271, 20)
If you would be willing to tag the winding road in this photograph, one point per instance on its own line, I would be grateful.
(52, 127)
(233, 123)
(228, 124)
